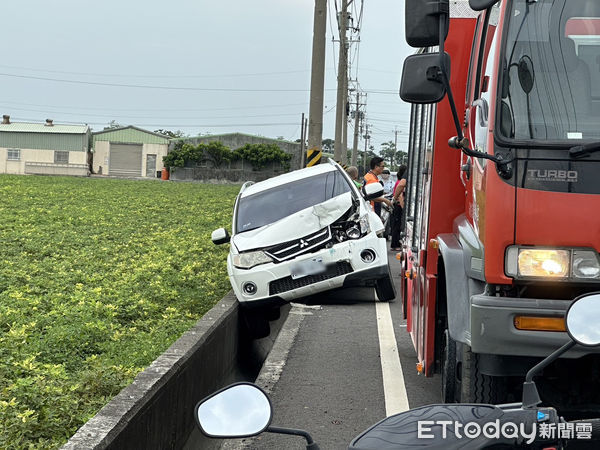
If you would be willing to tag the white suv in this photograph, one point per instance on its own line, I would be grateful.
(302, 233)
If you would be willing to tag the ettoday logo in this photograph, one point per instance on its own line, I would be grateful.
(429, 429)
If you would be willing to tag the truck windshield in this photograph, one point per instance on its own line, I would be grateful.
(551, 71)
(271, 205)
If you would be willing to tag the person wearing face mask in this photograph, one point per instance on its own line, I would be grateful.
(388, 183)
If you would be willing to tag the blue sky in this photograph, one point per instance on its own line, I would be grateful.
(198, 66)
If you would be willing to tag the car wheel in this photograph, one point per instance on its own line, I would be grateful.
(384, 287)
(256, 323)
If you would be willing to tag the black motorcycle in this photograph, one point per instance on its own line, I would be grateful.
(244, 410)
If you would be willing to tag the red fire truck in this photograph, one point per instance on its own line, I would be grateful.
(502, 213)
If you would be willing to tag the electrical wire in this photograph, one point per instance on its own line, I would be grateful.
(137, 86)
(227, 75)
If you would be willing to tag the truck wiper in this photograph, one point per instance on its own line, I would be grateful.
(583, 150)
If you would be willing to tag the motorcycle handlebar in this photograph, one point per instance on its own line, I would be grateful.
(595, 431)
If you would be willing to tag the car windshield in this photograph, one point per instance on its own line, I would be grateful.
(551, 86)
(271, 205)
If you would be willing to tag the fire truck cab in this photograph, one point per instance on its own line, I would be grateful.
(502, 231)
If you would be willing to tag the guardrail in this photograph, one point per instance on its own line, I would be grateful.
(156, 410)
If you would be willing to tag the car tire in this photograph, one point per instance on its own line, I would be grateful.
(256, 323)
(384, 287)
(477, 387)
(448, 372)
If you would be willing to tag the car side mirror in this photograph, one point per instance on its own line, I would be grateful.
(423, 22)
(372, 190)
(220, 236)
(421, 78)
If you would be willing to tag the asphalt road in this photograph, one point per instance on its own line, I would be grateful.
(325, 375)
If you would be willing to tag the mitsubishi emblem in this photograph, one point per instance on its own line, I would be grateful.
(303, 243)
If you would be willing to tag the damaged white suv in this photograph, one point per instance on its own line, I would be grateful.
(302, 233)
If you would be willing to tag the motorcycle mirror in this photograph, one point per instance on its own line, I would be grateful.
(239, 410)
(583, 318)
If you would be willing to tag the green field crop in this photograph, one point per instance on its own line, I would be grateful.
(97, 278)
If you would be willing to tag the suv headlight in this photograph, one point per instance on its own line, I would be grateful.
(552, 263)
(365, 227)
(250, 259)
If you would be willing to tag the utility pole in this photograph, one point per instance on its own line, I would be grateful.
(367, 137)
(395, 144)
(340, 110)
(302, 141)
(317, 85)
(345, 128)
(356, 129)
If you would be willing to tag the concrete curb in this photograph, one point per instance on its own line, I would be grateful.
(156, 410)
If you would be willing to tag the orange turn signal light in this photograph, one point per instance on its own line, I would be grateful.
(532, 323)
(419, 368)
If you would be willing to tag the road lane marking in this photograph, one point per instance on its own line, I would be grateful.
(394, 390)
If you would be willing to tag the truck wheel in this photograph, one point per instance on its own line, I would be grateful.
(449, 385)
(386, 292)
(256, 323)
(477, 387)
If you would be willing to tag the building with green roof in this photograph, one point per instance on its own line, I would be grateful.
(43, 148)
(129, 152)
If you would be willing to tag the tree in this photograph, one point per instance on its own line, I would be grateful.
(217, 152)
(328, 145)
(113, 124)
(388, 152)
(260, 154)
(171, 134)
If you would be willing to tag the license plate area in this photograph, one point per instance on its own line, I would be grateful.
(307, 267)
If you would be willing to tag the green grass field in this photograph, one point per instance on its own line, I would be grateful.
(97, 278)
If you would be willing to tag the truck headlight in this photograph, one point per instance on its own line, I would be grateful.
(552, 263)
(250, 259)
(585, 264)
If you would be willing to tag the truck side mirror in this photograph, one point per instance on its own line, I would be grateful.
(423, 22)
(480, 5)
(421, 78)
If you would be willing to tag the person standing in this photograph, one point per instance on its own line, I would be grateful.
(353, 172)
(377, 164)
(388, 183)
(398, 201)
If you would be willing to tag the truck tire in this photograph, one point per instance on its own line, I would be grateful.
(448, 372)
(384, 287)
(477, 387)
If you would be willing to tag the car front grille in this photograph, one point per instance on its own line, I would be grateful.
(306, 244)
(288, 283)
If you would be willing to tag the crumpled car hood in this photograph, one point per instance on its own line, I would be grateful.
(307, 221)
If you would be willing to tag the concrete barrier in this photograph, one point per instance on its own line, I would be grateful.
(156, 410)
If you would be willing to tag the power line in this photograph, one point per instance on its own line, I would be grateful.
(112, 116)
(121, 75)
(172, 88)
(195, 125)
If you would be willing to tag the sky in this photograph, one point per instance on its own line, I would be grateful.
(199, 66)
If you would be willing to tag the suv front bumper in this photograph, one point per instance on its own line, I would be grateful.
(345, 268)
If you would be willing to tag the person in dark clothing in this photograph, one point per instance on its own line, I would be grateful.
(398, 201)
